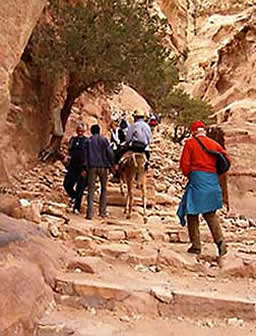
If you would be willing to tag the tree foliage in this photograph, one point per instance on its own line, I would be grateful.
(184, 110)
(106, 42)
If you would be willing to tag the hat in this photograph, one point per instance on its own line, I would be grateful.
(139, 113)
(197, 124)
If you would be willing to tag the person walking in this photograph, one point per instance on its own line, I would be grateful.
(77, 168)
(100, 160)
(117, 140)
(203, 193)
(117, 143)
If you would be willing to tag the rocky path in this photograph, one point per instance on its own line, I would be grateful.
(120, 280)
(123, 277)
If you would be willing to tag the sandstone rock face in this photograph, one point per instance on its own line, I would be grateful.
(220, 67)
(176, 13)
(90, 109)
(29, 262)
(18, 18)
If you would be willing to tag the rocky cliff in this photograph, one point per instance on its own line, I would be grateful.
(18, 19)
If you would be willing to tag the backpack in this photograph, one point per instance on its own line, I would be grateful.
(222, 163)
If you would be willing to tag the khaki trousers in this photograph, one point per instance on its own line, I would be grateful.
(213, 223)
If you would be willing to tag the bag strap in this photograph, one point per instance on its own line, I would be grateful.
(209, 151)
(204, 148)
(202, 145)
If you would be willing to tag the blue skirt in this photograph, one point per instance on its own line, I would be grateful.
(202, 194)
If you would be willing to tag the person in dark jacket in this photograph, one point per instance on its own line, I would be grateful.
(124, 124)
(100, 160)
(77, 168)
(117, 139)
(117, 143)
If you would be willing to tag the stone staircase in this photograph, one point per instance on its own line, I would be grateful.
(82, 298)
(123, 271)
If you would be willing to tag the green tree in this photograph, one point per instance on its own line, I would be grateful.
(183, 110)
(105, 42)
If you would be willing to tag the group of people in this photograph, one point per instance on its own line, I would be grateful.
(93, 157)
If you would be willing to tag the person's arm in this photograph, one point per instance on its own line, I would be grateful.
(185, 160)
(129, 134)
(109, 152)
(70, 145)
(85, 153)
(149, 134)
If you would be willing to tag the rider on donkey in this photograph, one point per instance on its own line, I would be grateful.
(139, 137)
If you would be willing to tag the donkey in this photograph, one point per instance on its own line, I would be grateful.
(132, 166)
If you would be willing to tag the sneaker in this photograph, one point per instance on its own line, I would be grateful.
(222, 248)
(194, 250)
(76, 212)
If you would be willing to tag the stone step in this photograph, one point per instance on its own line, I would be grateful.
(75, 323)
(113, 229)
(67, 322)
(88, 291)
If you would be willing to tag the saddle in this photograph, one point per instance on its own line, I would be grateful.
(131, 155)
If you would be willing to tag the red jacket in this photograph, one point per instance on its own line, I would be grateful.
(194, 157)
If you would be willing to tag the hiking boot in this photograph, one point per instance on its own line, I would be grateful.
(76, 212)
(194, 250)
(222, 248)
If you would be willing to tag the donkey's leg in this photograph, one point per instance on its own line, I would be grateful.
(144, 197)
(130, 196)
(122, 186)
(127, 178)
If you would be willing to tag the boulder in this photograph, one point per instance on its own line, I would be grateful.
(29, 263)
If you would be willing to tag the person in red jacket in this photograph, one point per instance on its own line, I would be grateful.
(203, 193)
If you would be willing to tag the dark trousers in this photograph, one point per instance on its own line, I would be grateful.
(82, 183)
(73, 177)
(93, 173)
(119, 153)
